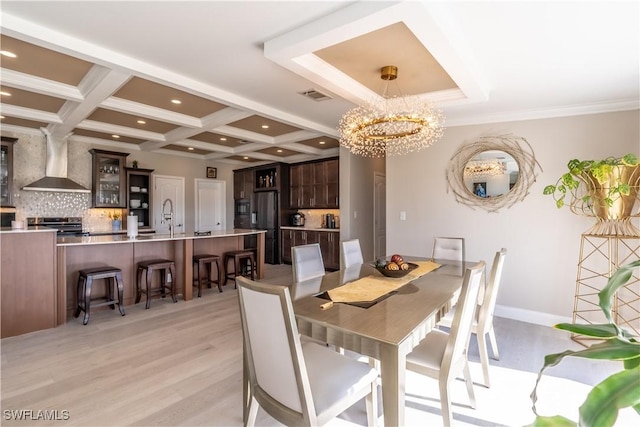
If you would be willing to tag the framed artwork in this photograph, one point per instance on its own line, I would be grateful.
(212, 172)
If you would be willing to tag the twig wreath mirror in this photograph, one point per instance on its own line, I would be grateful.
(493, 172)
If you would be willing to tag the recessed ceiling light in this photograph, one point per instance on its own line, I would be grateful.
(265, 126)
(223, 139)
(176, 101)
(245, 158)
(115, 136)
(321, 142)
(3, 93)
(8, 54)
(190, 148)
(279, 151)
(142, 122)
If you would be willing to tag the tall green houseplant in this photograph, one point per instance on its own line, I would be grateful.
(620, 390)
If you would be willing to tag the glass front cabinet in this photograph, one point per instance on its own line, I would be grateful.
(108, 183)
(6, 171)
(139, 196)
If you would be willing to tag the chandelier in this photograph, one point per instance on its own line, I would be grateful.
(483, 168)
(392, 125)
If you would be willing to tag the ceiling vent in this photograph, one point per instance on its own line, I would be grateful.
(315, 95)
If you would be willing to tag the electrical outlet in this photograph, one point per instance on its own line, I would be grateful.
(403, 216)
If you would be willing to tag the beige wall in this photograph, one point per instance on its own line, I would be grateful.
(543, 242)
(356, 196)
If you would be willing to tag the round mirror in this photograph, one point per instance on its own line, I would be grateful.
(490, 173)
(493, 172)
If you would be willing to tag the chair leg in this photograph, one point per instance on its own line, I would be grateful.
(252, 412)
(87, 299)
(494, 343)
(149, 277)
(484, 358)
(445, 403)
(199, 279)
(172, 270)
(219, 270)
(79, 296)
(138, 285)
(467, 379)
(372, 405)
(111, 284)
(120, 292)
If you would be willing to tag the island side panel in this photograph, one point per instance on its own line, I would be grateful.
(28, 290)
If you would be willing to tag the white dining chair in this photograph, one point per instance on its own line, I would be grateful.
(306, 261)
(351, 253)
(483, 320)
(443, 355)
(297, 383)
(451, 248)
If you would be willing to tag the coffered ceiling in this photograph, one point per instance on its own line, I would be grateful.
(226, 80)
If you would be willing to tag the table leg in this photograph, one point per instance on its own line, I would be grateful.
(393, 372)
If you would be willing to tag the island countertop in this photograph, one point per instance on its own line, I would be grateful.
(114, 239)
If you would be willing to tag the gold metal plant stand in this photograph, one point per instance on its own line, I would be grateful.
(600, 256)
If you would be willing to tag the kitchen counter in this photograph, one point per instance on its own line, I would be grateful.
(291, 227)
(142, 238)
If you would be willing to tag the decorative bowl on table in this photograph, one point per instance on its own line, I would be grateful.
(396, 267)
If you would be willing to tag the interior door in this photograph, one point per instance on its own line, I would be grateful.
(168, 194)
(210, 205)
(379, 215)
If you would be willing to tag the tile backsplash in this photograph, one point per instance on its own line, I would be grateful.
(29, 164)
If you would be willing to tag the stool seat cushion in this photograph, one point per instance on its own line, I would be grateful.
(99, 270)
(155, 263)
(205, 257)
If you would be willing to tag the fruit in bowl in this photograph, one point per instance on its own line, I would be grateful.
(396, 267)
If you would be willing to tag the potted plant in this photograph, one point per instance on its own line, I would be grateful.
(620, 390)
(606, 181)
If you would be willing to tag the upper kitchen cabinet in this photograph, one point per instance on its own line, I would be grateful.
(315, 185)
(271, 177)
(139, 193)
(243, 183)
(109, 180)
(6, 171)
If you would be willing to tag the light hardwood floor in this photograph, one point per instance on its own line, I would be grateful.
(181, 364)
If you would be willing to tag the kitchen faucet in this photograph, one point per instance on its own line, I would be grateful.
(168, 217)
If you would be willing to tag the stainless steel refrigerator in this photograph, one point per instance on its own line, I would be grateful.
(265, 217)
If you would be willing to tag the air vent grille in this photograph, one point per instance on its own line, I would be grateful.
(315, 95)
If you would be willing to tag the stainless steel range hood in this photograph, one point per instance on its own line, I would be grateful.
(55, 178)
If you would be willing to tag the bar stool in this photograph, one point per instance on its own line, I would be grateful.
(201, 261)
(238, 256)
(113, 280)
(167, 270)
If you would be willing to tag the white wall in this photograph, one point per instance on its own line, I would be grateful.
(542, 241)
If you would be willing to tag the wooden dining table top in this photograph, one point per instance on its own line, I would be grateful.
(392, 319)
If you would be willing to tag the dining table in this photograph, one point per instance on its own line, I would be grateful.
(386, 329)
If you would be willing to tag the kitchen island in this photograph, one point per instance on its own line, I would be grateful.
(72, 254)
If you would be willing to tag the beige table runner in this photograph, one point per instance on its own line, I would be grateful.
(372, 287)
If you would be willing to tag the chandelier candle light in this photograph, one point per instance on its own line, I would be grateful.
(392, 125)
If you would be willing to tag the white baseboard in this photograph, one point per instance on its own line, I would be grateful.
(529, 316)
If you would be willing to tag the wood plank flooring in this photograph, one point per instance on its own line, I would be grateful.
(173, 365)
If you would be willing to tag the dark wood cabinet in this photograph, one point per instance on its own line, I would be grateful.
(139, 196)
(109, 180)
(243, 184)
(329, 245)
(315, 185)
(6, 171)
